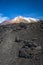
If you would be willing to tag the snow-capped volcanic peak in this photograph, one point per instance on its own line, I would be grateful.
(19, 19)
(28, 19)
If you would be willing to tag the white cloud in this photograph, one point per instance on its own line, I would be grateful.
(3, 18)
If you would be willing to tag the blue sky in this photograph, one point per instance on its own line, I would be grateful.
(28, 8)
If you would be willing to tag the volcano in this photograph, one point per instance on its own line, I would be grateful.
(19, 19)
(21, 44)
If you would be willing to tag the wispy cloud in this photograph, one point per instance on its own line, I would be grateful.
(3, 18)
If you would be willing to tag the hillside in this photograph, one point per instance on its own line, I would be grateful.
(21, 44)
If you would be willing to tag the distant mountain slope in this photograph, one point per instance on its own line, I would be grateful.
(20, 19)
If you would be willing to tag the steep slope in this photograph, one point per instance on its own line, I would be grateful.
(14, 44)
